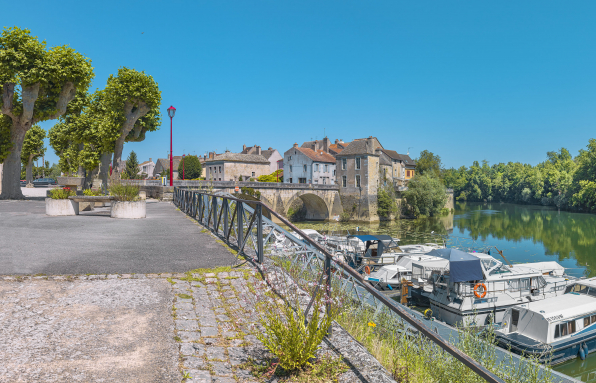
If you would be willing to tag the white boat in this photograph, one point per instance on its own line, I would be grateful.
(554, 329)
(389, 277)
(477, 299)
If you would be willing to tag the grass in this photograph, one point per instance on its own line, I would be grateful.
(184, 296)
(325, 369)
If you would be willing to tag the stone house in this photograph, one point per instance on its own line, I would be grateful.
(164, 163)
(359, 175)
(147, 167)
(396, 169)
(312, 165)
(231, 166)
(271, 155)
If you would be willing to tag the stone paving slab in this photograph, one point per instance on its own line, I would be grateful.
(115, 330)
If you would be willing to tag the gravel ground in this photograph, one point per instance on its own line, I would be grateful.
(114, 330)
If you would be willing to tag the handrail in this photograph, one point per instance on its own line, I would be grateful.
(410, 319)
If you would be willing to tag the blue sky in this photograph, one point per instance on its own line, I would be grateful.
(501, 81)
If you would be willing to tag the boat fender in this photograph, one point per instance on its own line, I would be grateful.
(480, 295)
(586, 348)
(582, 354)
(367, 270)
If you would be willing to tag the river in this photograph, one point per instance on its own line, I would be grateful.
(524, 234)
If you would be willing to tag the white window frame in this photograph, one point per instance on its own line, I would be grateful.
(290, 168)
(358, 163)
(344, 162)
(344, 181)
(304, 168)
(357, 181)
(326, 167)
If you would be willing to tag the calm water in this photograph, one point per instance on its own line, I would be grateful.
(524, 233)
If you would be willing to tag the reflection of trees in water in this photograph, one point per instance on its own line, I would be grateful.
(409, 231)
(566, 235)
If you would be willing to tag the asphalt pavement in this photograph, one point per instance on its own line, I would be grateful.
(93, 243)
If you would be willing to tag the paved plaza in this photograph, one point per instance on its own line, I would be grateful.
(94, 243)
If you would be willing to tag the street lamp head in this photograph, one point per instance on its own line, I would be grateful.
(171, 111)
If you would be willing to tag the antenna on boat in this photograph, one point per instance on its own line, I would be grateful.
(501, 252)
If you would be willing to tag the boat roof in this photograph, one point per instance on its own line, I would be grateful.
(365, 238)
(566, 306)
(310, 231)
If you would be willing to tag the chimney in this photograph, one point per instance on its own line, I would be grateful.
(326, 144)
(270, 148)
(243, 147)
(149, 159)
(295, 145)
(258, 150)
(227, 150)
(336, 141)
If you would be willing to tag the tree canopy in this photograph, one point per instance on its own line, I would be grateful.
(429, 163)
(192, 168)
(37, 85)
(425, 196)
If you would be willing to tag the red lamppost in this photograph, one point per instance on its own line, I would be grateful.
(183, 175)
(171, 113)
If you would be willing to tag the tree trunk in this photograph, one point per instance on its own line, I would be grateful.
(116, 163)
(11, 175)
(90, 177)
(104, 170)
(29, 170)
(81, 169)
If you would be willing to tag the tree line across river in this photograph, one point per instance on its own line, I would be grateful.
(561, 180)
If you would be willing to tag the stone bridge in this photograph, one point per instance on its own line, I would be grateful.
(321, 201)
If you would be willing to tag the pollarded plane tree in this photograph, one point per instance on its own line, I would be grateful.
(33, 149)
(131, 103)
(36, 84)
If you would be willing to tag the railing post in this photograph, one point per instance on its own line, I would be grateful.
(240, 215)
(225, 214)
(328, 290)
(259, 213)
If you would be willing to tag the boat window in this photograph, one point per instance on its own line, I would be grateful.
(565, 328)
(589, 320)
(525, 284)
(592, 292)
(582, 289)
(500, 270)
(514, 320)
(489, 263)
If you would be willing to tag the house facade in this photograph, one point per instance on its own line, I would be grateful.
(271, 155)
(396, 168)
(146, 168)
(307, 166)
(231, 166)
(359, 175)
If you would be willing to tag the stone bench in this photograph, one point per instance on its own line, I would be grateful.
(88, 202)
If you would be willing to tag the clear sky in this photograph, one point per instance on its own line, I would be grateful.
(501, 81)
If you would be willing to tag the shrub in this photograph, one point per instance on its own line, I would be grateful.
(124, 192)
(91, 193)
(386, 202)
(192, 168)
(63, 193)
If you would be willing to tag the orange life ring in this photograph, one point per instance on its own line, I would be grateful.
(367, 270)
(484, 290)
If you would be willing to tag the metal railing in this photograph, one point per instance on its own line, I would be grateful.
(243, 225)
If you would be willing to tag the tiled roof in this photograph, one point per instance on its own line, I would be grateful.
(267, 153)
(317, 156)
(360, 146)
(144, 163)
(239, 157)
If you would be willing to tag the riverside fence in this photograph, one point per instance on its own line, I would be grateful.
(243, 225)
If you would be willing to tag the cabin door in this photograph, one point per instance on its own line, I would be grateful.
(514, 320)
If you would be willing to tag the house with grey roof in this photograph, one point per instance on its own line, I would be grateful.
(272, 155)
(307, 165)
(164, 164)
(147, 168)
(396, 168)
(232, 166)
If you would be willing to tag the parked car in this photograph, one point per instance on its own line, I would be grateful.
(44, 182)
(23, 183)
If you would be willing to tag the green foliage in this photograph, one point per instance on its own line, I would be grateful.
(192, 168)
(92, 193)
(124, 192)
(33, 146)
(425, 196)
(240, 178)
(54, 172)
(132, 167)
(63, 193)
(429, 163)
(273, 177)
(386, 205)
(5, 141)
(251, 192)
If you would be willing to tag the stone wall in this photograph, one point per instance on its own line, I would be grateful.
(231, 171)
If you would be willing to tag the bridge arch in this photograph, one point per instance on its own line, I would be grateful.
(316, 207)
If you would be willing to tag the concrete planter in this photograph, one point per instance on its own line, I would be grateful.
(128, 210)
(57, 207)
